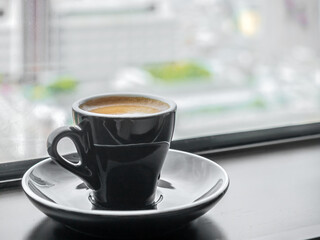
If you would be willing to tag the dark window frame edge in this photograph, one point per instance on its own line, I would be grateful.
(12, 172)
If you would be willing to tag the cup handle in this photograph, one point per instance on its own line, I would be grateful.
(84, 168)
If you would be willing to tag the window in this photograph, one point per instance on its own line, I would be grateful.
(231, 66)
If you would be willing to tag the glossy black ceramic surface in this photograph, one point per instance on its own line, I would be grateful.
(120, 155)
(190, 185)
(122, 129)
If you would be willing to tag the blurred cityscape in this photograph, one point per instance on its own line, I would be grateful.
(231, 65)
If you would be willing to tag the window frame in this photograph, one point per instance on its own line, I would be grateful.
(12, 172)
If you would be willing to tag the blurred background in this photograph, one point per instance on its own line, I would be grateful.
(231, 65)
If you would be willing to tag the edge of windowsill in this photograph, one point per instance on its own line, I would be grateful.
(12, 172)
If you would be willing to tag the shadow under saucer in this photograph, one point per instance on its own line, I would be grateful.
(200, 229)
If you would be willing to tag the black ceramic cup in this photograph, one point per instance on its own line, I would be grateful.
(121, 155)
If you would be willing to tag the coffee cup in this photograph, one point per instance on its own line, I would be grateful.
(122, 141)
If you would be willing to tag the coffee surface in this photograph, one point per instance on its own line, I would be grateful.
(124, 106)
(125, 109)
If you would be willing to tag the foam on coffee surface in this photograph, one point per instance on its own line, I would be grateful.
(124, 106)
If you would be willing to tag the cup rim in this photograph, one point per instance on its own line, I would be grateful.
(76, 105)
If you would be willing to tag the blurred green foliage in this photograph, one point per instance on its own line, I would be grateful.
(178, 71)
(63, 84)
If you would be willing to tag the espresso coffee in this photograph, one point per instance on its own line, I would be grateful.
(125, 109)
(124, 105)
(122, 140)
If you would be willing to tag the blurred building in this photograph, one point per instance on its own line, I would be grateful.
(11, 40)
(92, 40)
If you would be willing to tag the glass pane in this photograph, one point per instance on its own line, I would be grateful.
(231, 66)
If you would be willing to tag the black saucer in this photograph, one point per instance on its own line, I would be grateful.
(190, 185)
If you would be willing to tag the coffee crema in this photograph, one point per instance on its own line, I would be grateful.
(119, 105)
